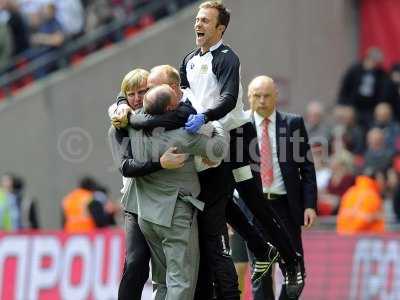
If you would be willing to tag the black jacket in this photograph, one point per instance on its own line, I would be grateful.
(350, 88)
(296, 164)
(120, 142)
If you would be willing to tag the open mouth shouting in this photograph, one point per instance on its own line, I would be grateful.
(199, 37)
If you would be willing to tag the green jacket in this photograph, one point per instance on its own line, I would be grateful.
(5, 216)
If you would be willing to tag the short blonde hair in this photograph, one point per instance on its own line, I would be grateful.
(171, 74)
(133, 80)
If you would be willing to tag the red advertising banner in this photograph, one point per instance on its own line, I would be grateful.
(352, 268)
(55, 265)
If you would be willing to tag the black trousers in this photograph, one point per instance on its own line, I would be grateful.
(216, 265)
(137, 258)
(263, 290)
(243, 157)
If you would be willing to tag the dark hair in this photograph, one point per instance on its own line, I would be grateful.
(88, 183)
(224, 14)
(158, 104)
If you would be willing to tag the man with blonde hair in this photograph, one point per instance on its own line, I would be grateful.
(136, 267)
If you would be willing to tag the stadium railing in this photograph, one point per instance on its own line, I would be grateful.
(21, 71)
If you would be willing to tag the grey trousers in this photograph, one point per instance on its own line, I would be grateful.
(174, 254)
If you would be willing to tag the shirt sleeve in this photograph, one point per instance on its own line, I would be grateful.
(227, 70)
(121, 150)
(170, 120)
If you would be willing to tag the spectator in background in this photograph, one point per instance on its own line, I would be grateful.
(48, 38)
(71, 16)
(5, 214)
(27, 216)
(30, 9)
(383, 119)
(361, 208)
(49, 34)
(18, 26)
(6, 45)
(345, 131)
(9, 204)
(362, 85)
(98, 13)
(101, 195)
(322, 170)
(315, 124)
(82, 212)
(378, 156)
(392, 90)
(342, 178)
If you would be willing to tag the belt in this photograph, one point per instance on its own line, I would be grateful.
(271, 196)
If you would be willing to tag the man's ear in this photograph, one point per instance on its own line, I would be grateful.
(221, 28)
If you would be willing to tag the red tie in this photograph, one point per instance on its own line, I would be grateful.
(267, 174)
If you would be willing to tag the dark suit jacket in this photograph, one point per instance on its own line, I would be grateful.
(296, 163)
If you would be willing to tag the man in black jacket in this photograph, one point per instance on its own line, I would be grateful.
(363, 84)
(286, 167)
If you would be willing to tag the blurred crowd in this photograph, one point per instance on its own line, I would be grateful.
(31, 28)
(87, 207)
(17, 210)
(84, 209)
(356, 146)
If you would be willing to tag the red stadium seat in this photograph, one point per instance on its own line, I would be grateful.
(131, 31)
(77, 58)
(146, 21)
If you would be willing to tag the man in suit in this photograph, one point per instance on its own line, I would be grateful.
(286, 167)
(166, 199)
(137, 258)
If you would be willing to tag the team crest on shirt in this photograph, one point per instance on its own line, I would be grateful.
(204, 69)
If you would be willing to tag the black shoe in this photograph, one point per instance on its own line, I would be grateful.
(294, 281)
(261, 268)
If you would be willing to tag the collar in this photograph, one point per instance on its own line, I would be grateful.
(259, 119)
(216, 46)
(212, 48)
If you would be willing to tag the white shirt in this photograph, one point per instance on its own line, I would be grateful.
(278, 185)
(205, 85)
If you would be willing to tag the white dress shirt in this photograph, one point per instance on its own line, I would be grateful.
(277, 186)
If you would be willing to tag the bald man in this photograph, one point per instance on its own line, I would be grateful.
(287, 172)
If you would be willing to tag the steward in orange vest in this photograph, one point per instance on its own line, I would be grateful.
(82, 212)
(361, 208)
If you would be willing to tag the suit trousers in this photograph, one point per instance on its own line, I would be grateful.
(263, 289)
(137, 259)
(245, 178)
(174, 254)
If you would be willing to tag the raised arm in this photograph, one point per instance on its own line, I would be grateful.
(170, 120)
(213, 148)
(122, 155)
(120, 144)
